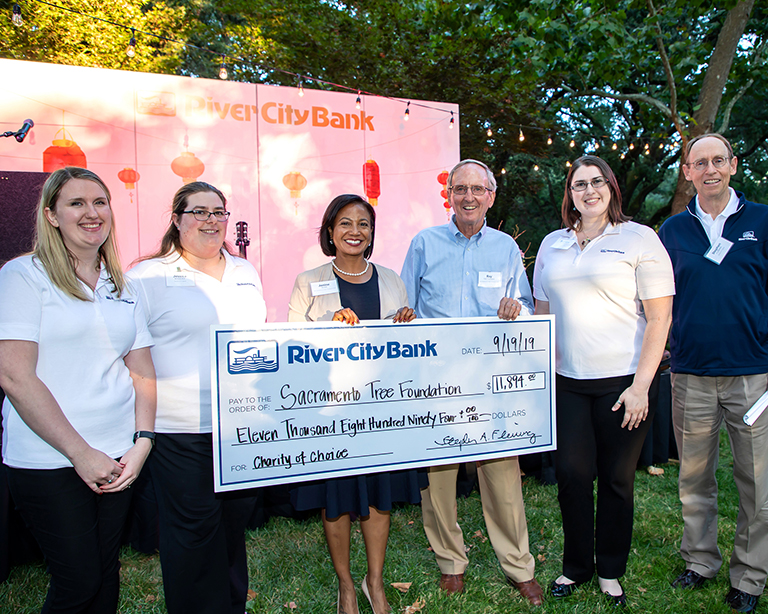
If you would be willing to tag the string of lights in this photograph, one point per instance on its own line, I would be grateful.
(590, 143)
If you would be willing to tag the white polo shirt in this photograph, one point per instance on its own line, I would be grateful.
(181, 304)
(81, 346)
(596, 296)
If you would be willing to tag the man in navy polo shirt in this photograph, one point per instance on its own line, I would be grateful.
(719, 343)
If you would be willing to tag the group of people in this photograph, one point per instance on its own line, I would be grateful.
(106, 373)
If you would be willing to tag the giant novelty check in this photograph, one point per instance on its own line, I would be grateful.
(309, 401)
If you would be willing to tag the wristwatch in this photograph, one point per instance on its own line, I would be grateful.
(148, 434)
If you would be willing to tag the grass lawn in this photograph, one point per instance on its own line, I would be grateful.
(291, 571)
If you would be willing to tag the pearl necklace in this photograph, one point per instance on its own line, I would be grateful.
(365, 270)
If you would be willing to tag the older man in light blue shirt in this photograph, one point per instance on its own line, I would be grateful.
(465, 269)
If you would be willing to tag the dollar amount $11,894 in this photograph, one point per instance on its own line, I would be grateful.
(516, 382)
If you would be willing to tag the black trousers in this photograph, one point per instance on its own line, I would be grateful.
(589, 438)
(202, 534)
(79, 533)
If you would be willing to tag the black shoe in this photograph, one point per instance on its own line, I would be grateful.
(689, 579)
(618, 600)
(563, 590)
(741, 601)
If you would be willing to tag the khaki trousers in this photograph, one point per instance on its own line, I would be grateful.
(502, 497)
(700, 406)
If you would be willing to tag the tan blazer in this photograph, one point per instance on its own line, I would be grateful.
(304, 307)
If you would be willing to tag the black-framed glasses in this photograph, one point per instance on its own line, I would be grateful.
(703, 164)
(597, 183)
(477, 190)
(203, 215)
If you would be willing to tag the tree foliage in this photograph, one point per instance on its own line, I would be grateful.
(636, 74)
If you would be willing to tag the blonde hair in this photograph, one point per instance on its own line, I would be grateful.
(58, 261)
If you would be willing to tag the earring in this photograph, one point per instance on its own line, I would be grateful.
(331, 240)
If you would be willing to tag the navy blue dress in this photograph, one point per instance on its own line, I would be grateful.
(357, 493)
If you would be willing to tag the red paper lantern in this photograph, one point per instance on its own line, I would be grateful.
(442, 178)
(371, 181)
(129, 177)
(188, 166)
(63, 152)
(444, 194)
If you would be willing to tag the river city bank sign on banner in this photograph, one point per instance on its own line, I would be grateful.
(279, 156)
(304, 402)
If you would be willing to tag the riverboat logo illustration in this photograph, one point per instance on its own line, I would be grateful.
(252, 357)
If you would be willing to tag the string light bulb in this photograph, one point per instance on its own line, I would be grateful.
(16, 19)
(622, 156)
(661, 145)
(597, 145)
(647, 152)
(301, 88)
(567, 164)
(614, 147)
(503, 171)
(358, 102)
(130, 50)
(549, 140)
(407, 114)
(535, 167)
(450, 123)
(489, 132)
(223, 69)
(631, 145)
(521, 136)
(572, 144)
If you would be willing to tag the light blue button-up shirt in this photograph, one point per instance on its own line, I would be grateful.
(448, 275)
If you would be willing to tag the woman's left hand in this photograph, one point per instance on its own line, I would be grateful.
(635, 403)
(404, 314)
(131, 462)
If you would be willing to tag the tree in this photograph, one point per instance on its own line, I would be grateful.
(663, 70)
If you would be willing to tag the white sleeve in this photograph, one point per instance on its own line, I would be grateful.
(21, 303)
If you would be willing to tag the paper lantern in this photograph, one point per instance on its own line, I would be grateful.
(129, 177)
(188, 166)
(295, 182)
(371, 181)
(442, 179)
(63, 152)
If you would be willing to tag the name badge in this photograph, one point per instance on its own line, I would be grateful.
(564, 242)
(489, 279)
(179, 278)
(319, 288)
(719, 249)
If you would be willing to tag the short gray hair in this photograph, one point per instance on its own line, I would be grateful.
(715, 135)
(488, 172)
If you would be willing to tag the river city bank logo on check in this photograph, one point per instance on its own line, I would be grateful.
(252, 357)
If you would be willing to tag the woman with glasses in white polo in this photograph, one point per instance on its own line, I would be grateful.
(609, 283)
(191, 282)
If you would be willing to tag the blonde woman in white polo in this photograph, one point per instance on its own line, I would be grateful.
(79, 415)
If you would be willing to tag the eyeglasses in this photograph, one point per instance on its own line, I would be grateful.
(703, 164)
(597, 183)
(477, 190)
(202, 215)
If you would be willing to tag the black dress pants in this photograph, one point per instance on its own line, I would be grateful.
(79, 533)
(202, 534)
(589, 437)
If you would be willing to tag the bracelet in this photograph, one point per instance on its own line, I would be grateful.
(148, 434)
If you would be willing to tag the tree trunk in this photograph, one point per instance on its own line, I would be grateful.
(712, 91)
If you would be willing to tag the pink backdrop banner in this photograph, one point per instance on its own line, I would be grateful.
(279, 157)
